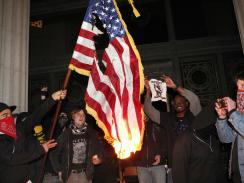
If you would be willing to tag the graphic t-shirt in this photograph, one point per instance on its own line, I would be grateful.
(79, 151)
(181, 126)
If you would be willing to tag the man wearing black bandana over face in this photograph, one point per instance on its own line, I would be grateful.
(78, 151)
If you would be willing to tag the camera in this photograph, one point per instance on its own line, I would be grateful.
(221, 103)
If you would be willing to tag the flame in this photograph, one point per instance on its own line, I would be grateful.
(130, 142)
(123, 150)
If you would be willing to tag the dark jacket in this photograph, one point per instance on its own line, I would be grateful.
(154, 143)
(16, 156)
(168, 120)
(107, 171)
(196, 154)
(61, 157)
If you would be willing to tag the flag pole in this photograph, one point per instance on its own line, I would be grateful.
(120, 172)
(54, 122)
(66, 80)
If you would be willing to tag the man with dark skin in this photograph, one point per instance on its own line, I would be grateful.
(186, 105)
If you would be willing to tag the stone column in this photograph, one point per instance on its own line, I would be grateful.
(169, 20)
(14, 46)
(239, 11)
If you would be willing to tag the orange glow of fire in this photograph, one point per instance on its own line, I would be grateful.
(129, 142)
(123, 150)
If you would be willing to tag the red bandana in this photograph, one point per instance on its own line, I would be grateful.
(8, 127)
(240, 101)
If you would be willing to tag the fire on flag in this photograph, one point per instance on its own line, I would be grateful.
(113, 95)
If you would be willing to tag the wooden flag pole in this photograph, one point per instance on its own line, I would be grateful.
(120, 172)
(66, 80)
(55, 119)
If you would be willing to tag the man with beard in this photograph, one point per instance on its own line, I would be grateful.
(186, 105)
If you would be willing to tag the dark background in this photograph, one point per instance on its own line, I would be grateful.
(194, 41)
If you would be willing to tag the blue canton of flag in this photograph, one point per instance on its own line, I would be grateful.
(106, 12)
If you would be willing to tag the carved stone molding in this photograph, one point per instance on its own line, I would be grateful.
(157, 68)
(199, 74)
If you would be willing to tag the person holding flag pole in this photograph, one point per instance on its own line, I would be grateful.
(112, 96)
(16, 144)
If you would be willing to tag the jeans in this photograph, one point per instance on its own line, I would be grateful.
(78, 178)
(169, 176)
(153, 174)
(49, 178)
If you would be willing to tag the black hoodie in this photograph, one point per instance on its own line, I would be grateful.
(196, 154)
(17, 156)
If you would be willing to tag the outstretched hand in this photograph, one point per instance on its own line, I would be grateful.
(59, 95)
(169, 82)
(49, 145)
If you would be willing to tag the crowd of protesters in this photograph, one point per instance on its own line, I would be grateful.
(180, 145)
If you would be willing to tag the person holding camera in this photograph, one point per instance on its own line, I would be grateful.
(230, 128)
(196, 153)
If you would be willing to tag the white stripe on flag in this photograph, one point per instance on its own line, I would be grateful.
(83, 58)
(86, 42)
(92, 28)
(118, 110)
(117, 65)
(100, 98)
(132, 117)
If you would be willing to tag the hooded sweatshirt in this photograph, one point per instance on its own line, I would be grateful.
(196, 154)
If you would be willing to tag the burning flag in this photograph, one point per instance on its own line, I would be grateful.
(112, 96)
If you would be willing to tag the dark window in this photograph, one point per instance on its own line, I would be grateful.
(188, 19)
(220, 17)
(150, 27)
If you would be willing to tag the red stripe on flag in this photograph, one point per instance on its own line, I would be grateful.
(119, 49)
(85, 50)
(80, 65)
(136, 85)
(125, 95)
(86, 34)
(106, 90)
(110, 72)
(101, 115)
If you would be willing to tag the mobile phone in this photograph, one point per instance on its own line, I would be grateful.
(221, 103)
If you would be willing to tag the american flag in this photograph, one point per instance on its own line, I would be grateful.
(112, 96)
